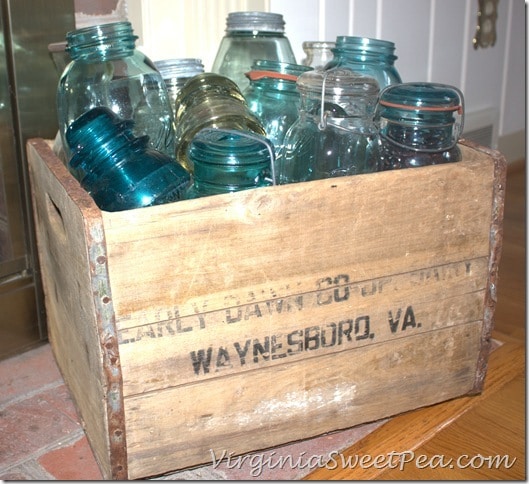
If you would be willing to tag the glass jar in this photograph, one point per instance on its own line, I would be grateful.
(251, 36)
(419, 124)
(176, 72)
(210, 101)
(107, 70)
(334, 134)
(228, 161)
(371, 57)
(118, 170)
(273, 97)
(317, 54)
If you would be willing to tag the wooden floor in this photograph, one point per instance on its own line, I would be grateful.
(470, 438)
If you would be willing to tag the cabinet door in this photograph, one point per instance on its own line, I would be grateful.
(28, 83)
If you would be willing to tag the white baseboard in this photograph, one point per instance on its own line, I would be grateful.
(513, 146)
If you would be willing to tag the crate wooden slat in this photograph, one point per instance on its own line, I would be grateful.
(239, 322)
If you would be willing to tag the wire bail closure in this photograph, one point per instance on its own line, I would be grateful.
(249, 135)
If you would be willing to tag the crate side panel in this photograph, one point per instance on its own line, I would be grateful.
(214, 253)
(181, 427)
(335, 318)
(69, 303)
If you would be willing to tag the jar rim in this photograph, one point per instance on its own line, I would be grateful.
(422, 96)
(170, 68)
(255, 21)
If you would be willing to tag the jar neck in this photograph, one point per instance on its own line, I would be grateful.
(268, 85)
(361, 57)
(101, 42)
(228, 161)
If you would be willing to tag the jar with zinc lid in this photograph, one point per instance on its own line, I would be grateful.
(119, 170)
(370, 57)
(334, 134)
(210, 100)
(107, 70)
(251, 36)
(419, 124)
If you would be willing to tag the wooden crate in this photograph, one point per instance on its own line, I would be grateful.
(240, 322)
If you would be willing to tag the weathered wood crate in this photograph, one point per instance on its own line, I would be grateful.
(240, 322)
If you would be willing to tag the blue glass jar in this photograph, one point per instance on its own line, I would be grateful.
(210, 100)
(370, 57)
(228, 161)
(107, 70)
(419, 124)
(118, 170)
(273, 97)
(334, 134)
(251, 36)
(176, 72)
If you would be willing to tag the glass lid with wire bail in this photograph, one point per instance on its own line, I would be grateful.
(340, 92)
(334, 134)
(420, 117)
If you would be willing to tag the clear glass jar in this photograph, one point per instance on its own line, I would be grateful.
(419, 124)
(251, 36)
(317, 53)
(335, 134)
(209, 100)
(176, 72)
(228, 161)
(118, 170)
(370, 57)
(107, 70)
(273, 97)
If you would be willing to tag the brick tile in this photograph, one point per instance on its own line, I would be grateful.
(30, 426)
(27, 372)
(16, 474)
(29, 471)
(71, 463)
(61, 399)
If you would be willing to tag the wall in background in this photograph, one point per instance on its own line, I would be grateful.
(433, 40)
(434, 43)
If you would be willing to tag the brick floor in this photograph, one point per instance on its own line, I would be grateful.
(40, 434)
(41, 437)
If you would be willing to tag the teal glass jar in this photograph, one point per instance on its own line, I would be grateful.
(228, 161)
(273, 97)
(176, 72)
(118, 170)
(334, 134)
(251, 36)
(210, 100)
(107, 70)
(370, 57)
(419, 124)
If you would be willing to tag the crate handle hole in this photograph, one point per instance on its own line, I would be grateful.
(56, 218)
